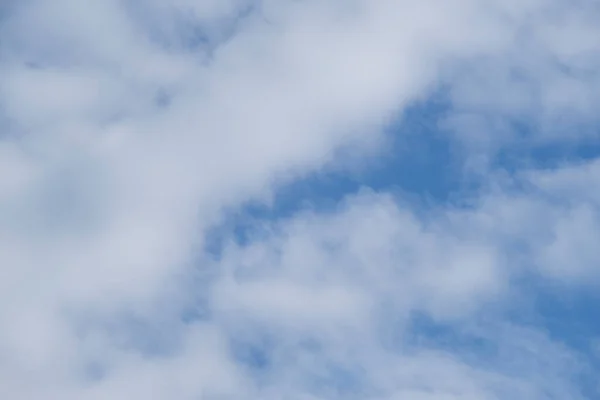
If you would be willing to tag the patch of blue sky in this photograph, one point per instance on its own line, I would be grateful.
(424, 165)
(547, 155)
(517, 344)
(569, 316)
(419, 163)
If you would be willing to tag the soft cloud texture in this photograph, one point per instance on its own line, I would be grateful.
(130, 130)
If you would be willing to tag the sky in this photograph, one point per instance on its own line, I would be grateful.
(299, 199)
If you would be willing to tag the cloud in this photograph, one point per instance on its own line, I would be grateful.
(131, 128)
(392, 267)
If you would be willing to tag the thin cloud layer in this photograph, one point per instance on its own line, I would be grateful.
(131, 129)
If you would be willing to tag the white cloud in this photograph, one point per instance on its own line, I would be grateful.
(125, 140)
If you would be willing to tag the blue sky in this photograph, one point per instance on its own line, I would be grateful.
(313, 200)
(425, 169)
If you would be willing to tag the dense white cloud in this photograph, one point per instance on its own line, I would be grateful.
(128, 128)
